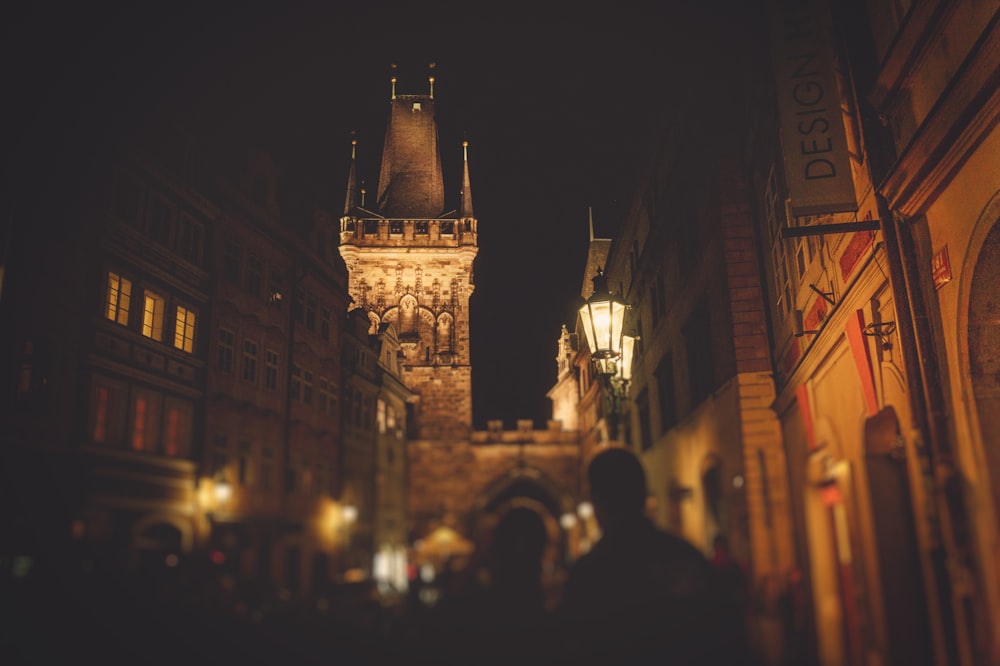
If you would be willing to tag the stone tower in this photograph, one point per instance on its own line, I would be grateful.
(410, 262)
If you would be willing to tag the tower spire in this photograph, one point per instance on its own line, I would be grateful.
(392, 80)
(352, 177)
(466, 209)
(590, 214)
(430, 78)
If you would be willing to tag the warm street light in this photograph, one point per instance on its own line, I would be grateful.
(223, 491)
(603, 320)
(603, 317)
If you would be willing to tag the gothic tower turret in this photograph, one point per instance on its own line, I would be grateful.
(410, 262)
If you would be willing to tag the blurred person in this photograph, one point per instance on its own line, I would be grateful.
(500, 616)
(640, 595)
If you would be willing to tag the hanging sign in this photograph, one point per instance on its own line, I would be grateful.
(817, 162)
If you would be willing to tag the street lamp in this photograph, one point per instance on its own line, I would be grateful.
(603, 320)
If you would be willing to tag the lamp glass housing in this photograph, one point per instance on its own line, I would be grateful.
(603, 318)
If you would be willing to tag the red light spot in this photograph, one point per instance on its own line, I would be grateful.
(217, 556)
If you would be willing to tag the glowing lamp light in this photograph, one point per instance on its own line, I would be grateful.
(349, 513)
(223, 491)
(567, 521)
(585, 509)
(603, 318)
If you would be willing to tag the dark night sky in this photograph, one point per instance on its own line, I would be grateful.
(552, 100)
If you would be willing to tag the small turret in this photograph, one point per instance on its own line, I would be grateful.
(466, 208)
(352, 178)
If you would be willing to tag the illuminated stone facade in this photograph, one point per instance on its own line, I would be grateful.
(410, 261)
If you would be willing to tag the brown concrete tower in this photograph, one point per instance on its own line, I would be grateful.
(410, 263)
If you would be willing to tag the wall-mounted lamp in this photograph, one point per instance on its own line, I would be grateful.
(883, 331)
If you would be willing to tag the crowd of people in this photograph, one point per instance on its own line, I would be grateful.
(639, 595)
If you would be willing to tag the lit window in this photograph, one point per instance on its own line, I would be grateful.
(152, 316)
(119, 296)
(380, 415)
(250, 360)
(271, 369)
(184, 330)
(225, 350)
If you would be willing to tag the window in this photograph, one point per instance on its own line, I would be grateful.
(161, 214)
(250, 361)
(101, 399)
(271, 369)
(380, 415)
(225, 352)
(774, 212)
(188, 241)
(276, 289)
(108, 411)
(324, 323)
(665, 391)
(231, 262)
(243, 464)
(119, 296)
(255, 274)
(177, 423)
(307, 387)
(152, 316)
(184, 330)
(324, 396)
(139, 424)
(145, 430)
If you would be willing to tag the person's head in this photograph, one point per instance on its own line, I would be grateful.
(617, 484)
(519, 540)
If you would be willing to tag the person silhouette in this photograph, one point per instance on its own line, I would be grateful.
(500, 616)
(641, 595)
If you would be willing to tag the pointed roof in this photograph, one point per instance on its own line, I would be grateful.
(466, 208)
(352, 178)
(411, 184)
